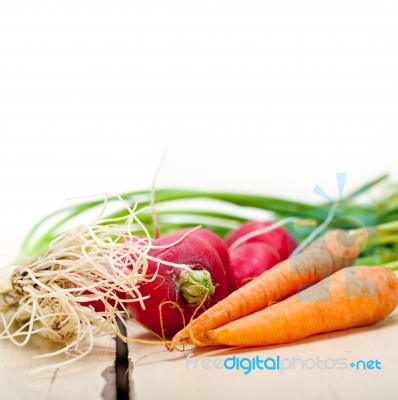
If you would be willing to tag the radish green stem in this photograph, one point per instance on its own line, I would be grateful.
(195, 285)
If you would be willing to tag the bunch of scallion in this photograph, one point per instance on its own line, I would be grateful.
(167, 210)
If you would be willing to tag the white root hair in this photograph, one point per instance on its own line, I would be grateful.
(103, 261)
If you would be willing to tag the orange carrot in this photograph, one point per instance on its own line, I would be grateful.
(333, 251)
(356, 296)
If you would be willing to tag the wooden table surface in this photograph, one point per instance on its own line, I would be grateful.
(157, 373)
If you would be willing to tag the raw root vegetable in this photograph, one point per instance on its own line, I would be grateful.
(263, 232)
(93, 263)
(335, 250)
(248, 261)
(352, 297)
(175, 294)
(213, 240)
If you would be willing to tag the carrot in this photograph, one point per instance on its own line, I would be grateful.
(331, 252)
(356, 296)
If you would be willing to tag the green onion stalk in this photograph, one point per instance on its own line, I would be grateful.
(177, 208)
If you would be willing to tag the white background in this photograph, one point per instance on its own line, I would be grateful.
(265, 96)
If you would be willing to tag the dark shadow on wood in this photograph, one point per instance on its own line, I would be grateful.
(122, 364)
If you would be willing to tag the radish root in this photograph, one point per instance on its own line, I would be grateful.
(95, 262)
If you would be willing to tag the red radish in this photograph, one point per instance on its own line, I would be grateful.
(248, 261)
(210, 237)
(176, 293)
(214, 240)
(281, 240)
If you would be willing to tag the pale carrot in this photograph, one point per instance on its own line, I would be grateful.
(352, 297)
(335, 250)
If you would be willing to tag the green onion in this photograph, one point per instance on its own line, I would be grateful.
(179, 211)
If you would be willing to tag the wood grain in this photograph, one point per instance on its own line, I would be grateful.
(82, 380)
(161, 374)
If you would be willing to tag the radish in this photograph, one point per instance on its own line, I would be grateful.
(175, 294)
(210, 237)
(214, 240)
(279, 238)
(248, 261)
